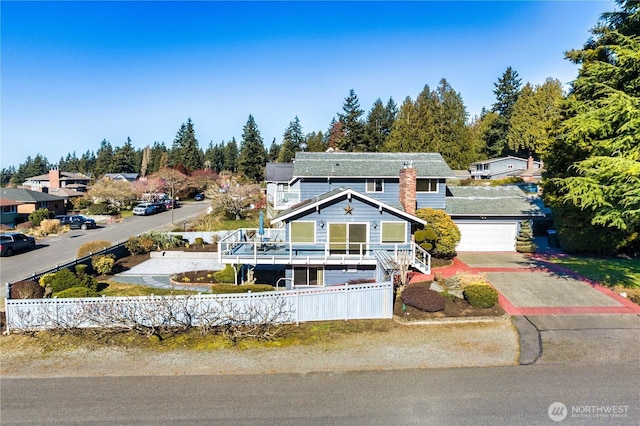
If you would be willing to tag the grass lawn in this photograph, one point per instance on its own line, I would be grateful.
(607, 271)
(125, 290)
(231, 225)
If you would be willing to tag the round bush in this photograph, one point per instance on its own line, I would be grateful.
(77, 292)
(480, 296)
(92, 247)
(26, 290)
(423, 299)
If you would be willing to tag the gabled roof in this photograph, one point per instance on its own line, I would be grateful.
(27, 196)
(130, 177)
(327, 197)
(369, 164)
(279, 172)
(509, 157)
(63, 176)
(5, 202)
(492, 201)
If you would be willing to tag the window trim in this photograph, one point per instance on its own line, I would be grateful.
(430, 180)
(307, 268)
(301, 222)
(382, 223)
(374, 181)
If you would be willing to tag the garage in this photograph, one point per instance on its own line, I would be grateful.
(487, 236)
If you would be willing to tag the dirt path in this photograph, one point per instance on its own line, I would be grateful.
(436, 345)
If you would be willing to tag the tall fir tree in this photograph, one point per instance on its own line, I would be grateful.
(379, 123)
(507, 90)
(124, 159)
(231, 156)
(274, 151)
(594, 163)
(185, 149)
(104, 159)
(252, 153)
(352, 125)
(291, 141)
(316, 142)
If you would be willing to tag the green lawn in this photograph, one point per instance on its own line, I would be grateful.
(611, 272)
(232, 225)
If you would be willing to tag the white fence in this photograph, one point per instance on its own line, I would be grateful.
(359, 301)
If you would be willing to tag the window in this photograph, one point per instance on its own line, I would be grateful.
(427, 185)
(284, 187)
(8, 209)
(348, 238)
(393, 232)
(375, 185)
(303, 232)
(308, 276)
(509, 166)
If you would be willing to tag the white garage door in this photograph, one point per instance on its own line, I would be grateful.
(487, 236)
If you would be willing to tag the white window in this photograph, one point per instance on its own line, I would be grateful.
(312, 275)
(284, 187)
(393, 232)
(375, 185)
(427, 185)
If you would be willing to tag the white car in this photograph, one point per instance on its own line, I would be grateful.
(144, 209)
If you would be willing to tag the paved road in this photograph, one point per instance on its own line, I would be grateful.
(496, 396)
(63, 248)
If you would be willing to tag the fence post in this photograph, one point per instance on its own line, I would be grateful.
(346, 301)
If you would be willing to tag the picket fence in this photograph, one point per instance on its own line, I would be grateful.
(357, 301)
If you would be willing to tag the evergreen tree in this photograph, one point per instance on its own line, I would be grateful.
(534, 116)
(6, 175)
(231, 156)
(274, 151)
(404, 133)
(159, 157)
(315, 142)
(252, 153)
(378, 125)
(352, 125)
(124, 159)
(291, 141)
(36, 166)
(185, 149)
(86, 163)
(595, 159)
(104, 159)
(507, 90)
(214, 157)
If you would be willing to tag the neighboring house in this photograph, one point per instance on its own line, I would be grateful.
(499, 168)
(123, 177)
(57, 179)
(489, 216)
(279, 195)
(338, 237)
(30, 201)
(8, 212)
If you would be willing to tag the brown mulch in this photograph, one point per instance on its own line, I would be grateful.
(195, 277)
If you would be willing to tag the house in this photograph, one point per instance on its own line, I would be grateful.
(489, 216)
(279, 195)
(57, 179)
(503, 167)
(123, 177)
(338, 237)
(30, 201)
(8, 212)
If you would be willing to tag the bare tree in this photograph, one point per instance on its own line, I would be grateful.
(234, 200)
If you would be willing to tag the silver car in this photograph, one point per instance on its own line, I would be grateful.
(144, 209)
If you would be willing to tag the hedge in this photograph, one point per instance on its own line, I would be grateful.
(480, 296)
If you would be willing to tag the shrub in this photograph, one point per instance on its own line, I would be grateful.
(50, 226)
(38, 216)
(140, 245)
(447, 232)
(480, 296)
(77, 292)
(227, 275)
(198, 240)
(103, 264)
(64, 279)
(245, 288)
(26, 289)
(92, 247)
(101, 209)
(422, 298)
(466, 279)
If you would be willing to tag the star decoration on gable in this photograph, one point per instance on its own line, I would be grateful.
(348, 210)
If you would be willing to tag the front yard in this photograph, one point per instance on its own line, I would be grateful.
(607, 271)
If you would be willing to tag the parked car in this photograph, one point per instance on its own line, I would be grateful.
(160, 206)
(144, 209)
(171, 204)
(198, 197)
(77, 221)
(13, 242)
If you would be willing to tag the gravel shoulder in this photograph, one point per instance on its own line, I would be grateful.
(432, 345)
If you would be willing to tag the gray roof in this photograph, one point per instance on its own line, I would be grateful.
(63, 176)
(369, 164)
(28, 196)
(492, 201)
(279, 172)
(127, 176)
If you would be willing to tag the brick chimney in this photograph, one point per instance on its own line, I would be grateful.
(407, 188)
(54, 178)
(530, 162)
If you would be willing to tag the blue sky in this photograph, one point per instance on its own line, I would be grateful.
(75, 73)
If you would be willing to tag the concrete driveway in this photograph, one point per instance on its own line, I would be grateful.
(560, 315)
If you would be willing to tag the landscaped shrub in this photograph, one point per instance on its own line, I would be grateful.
(103, 264)
(26, 290)
(38, 216)
(140, 245)
(101, 209)
(420, 297)
(245, 288)
(64, 279)
(92, 247)
(50, 226)
(227, 275)
(524, 240)
(198, 240)
(447, 232)
(480, 296)
(77, 292)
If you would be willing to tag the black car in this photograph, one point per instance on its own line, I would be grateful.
(159, 206)
(12, 242)
(77, 221)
